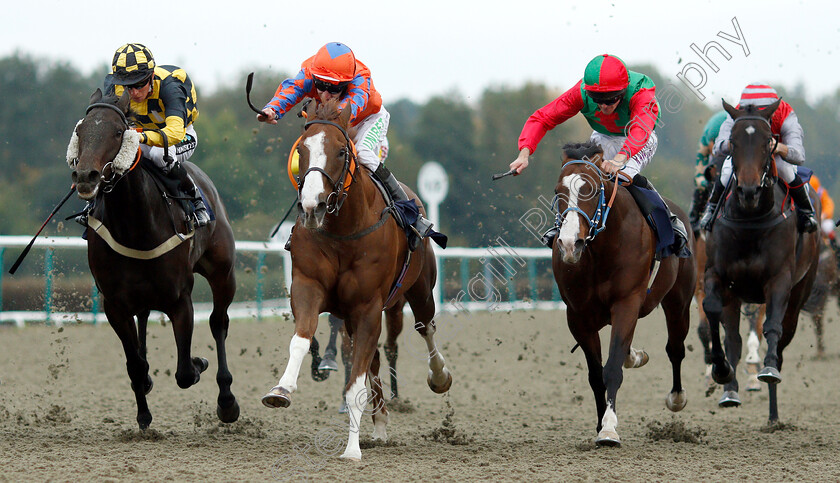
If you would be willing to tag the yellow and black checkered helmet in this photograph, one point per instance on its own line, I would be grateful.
(132, 64)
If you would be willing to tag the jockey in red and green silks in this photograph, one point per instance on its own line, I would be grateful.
(621, 108)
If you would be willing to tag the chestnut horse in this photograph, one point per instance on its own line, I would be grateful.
(755, 254)
(603, 268)
(347, 256)
(130, 228)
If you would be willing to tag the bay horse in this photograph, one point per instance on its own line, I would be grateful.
(348, 254)
(603, 270)
(825, 284)
(130, 228)
(755, 254)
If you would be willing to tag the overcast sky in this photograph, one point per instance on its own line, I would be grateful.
(423, 48)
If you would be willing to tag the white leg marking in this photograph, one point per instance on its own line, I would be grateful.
(437, 364)
(610, 419)
(297, 349)
(356, 401)
(314, 183)
(570, 227)
(380, 422)
(752, 348)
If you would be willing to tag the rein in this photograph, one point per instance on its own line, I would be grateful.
(340, 186)
(598, 221)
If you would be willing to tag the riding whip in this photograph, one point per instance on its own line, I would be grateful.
(29, 247)
(277, 228)
(502, 175)
(248, 83)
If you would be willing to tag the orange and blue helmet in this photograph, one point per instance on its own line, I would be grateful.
(605, 77)
(334, 64)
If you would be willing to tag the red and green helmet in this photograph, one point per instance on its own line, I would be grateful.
(605, 77)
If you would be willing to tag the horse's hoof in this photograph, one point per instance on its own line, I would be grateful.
(277, 397)
(229, 414)
(144, 420)
(729, 399)
(723, 376)
(328, 365)
(676, 401)
(752, 382)
(440, 388)
(201, 364)
(608, 438)
(770, 375)
(635, 359)
(352, 455)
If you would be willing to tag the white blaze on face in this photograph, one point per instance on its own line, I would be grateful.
(313, 184)
(750, 130)
(570, 227)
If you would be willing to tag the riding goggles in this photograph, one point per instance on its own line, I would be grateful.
(328, 87)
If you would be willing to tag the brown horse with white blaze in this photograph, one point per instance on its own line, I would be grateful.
(604, 270)
(347, 257)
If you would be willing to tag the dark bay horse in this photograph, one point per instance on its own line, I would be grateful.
(130, 229)
(755, 254)
(606, 278)
(347, 256)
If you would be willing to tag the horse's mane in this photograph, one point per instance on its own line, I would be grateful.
(587, 150)
(328, 111)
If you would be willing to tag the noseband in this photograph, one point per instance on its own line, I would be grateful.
(340, 186)
(768, 177)
(598, 221)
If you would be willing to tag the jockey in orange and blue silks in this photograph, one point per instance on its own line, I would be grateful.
(789, 152)
(621, 108)
(334, 72)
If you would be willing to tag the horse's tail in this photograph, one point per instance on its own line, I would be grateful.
(314, 349)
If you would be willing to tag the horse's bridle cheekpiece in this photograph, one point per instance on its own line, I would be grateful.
(340, 186)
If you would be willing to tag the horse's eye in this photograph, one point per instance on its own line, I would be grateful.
(342, 152)
(118, 133)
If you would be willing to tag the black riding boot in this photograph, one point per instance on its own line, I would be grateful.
(714, 198)
(422, 226)
(806, 221)
(680, 246)
(200, 216)
(82, 218)
(698, 203)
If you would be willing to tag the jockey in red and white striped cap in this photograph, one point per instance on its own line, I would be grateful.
(789, 152)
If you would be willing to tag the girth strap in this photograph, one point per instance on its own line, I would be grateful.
(125, 251)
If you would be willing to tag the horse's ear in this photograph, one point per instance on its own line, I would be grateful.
(310, 110)
(97, 96)
(733, 113)
(344, 118)
(768, 111)
(124, 101)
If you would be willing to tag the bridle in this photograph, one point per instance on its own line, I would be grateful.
(340, 186)
(768, 177)
(108, 184)
(598, 221)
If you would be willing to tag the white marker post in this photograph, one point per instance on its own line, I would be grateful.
(433, 185)
(280, 237)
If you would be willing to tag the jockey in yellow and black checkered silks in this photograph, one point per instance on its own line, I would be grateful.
(163, 103)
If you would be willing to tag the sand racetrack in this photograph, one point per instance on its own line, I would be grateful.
(520, 408)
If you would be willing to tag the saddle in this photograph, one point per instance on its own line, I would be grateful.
(406, 213)
(170, 189)
(656, 214)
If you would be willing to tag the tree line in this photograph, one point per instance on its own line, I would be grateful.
(44, 99)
